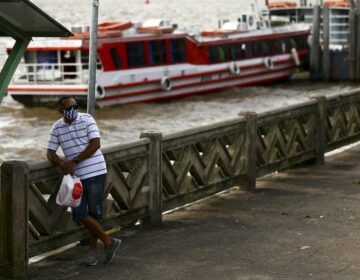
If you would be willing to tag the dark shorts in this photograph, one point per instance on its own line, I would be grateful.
(92, 199)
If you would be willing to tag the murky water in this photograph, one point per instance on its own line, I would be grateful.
(24, 131)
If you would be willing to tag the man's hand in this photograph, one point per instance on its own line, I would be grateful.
(67, 167)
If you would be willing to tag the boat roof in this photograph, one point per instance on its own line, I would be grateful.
(78, 42)
(257, 34)
(21, 18)
(295, 10)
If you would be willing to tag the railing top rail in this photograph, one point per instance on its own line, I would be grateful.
(273, 114)
(106, 150)
(124, 146)
(347, 95)
(204, 128)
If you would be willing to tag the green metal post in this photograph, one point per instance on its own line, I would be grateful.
(11, 64)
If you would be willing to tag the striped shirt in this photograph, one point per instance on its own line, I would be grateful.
(73, 139)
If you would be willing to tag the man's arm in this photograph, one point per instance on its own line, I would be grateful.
(93, 146)
(67, 166)
(53, 157)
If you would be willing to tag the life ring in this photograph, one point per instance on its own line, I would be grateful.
(295, 56)
(165, 83)
(269, 64)
(100, 91)
(234, 69)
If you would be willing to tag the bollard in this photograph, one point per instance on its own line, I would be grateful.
(250, 149)
(14, 217)
(155, 177)
(321, 129)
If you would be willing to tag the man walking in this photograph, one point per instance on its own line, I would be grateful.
(78, 136)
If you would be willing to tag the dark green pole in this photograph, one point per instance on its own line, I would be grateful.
(11, 64)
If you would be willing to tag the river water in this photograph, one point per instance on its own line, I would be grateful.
(24, 131)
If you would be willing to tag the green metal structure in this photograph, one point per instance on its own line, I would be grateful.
(22, 20)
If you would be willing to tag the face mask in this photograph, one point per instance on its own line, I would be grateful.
(71, 114)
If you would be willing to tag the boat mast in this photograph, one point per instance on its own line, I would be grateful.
(92, 59)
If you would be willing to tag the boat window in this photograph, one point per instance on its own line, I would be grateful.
(218, 54)
(68, 59)
(293, 44)
(177, 51)
(285, 45)
(266, 48)
(246, 50)
(235, 51)
(46, 58)
(301, 43)
(157, 52)
(135, 54)
(281, 46)
(277, 47)
(256, 47)
(85, 60)
(115, 58)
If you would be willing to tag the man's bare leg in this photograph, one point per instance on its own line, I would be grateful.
(93, 241)
(95, 229)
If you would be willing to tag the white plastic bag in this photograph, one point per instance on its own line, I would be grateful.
(70, 192)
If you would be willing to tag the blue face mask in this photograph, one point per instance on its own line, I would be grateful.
(71, 113)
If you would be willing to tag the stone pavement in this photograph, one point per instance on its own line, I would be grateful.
(299, 224)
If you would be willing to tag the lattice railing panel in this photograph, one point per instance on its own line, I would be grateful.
(284, 138)
(125, 188)
(45, 216)
(342, 122)
(199, 164)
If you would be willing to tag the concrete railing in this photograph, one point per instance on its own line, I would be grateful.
(158, 173)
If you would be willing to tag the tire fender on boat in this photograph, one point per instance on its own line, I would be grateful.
(295, 56)
(100, 91)
(234, 68)
(165, 83)
(269, 64)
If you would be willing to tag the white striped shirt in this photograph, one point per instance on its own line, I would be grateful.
(73, 139)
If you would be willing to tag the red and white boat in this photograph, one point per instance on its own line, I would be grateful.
(154, 61)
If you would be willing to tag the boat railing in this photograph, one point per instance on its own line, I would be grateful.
(54, 73)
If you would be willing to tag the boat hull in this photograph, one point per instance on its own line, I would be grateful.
(196, 81)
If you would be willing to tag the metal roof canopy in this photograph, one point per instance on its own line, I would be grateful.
(22, 20)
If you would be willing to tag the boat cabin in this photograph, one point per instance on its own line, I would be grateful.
(66, 61)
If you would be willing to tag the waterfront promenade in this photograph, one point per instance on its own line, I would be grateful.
(299, 224)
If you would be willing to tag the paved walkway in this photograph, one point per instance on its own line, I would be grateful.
(300, 224)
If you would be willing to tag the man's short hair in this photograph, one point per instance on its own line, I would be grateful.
(61, 100)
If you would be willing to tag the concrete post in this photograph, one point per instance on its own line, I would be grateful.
(155, 177)
(14, 217)
(250, 149)
(321, 129)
